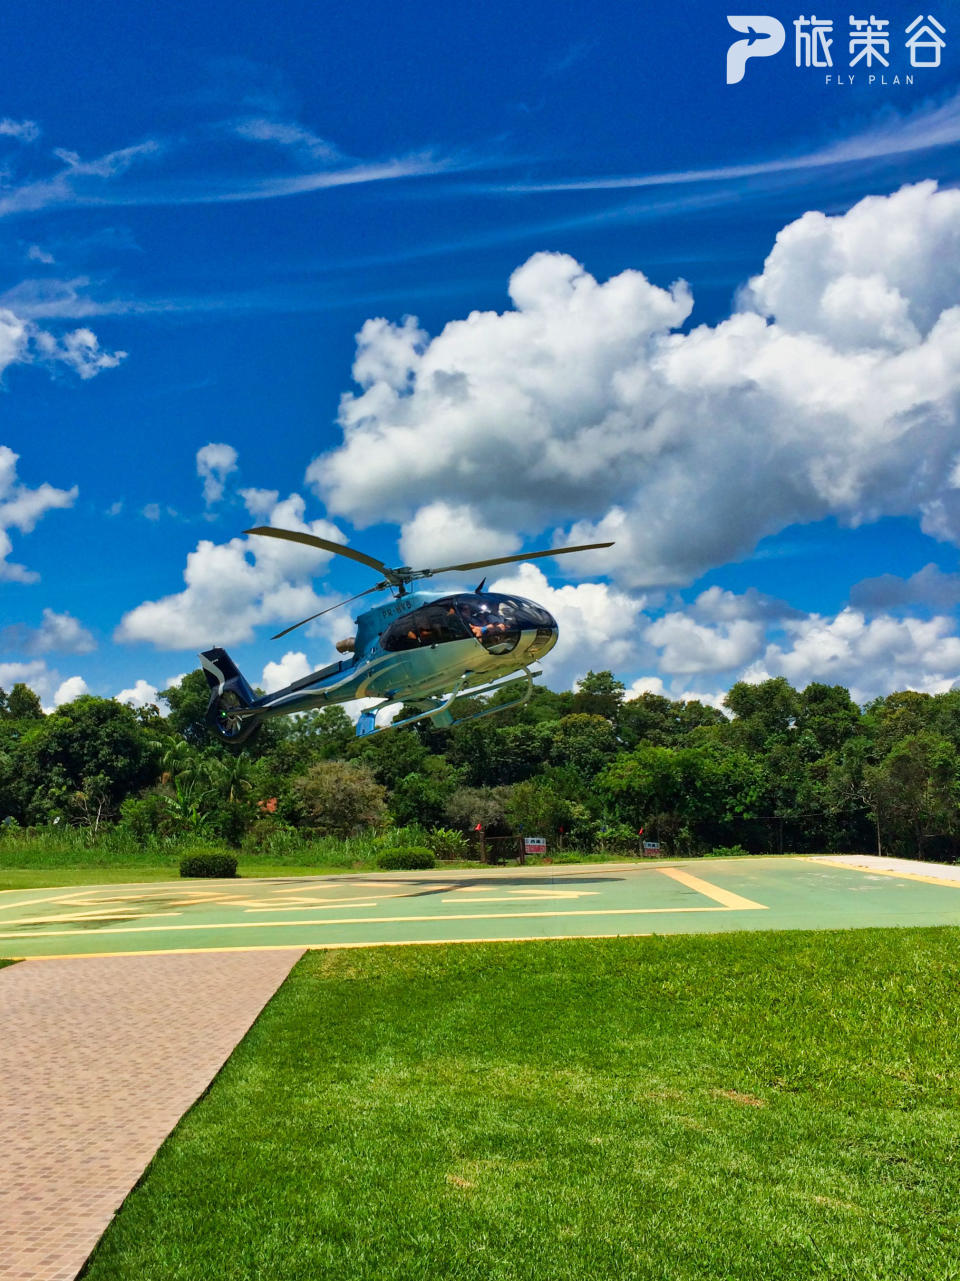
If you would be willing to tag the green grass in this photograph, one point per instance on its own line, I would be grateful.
(740, 1106)
(32, 878)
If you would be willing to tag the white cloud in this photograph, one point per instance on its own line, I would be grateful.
(833, 390)
(233, 587)
(870, 658)
(441, 533)
(36, 254)
(288, 135)
(61, 633)
(72, 688)
(260, 502)
(22, 130)
(35, 674)
(214, 465)
(290, 668)
(23, 342)
(79, 350)
(21, 508)
(142, 694)
(687, 646)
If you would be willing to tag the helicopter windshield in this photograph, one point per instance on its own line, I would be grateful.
(430, 625)
(497, 621)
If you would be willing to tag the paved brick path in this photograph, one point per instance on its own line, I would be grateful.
(99, 1059)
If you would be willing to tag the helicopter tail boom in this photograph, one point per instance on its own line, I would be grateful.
(230, 697)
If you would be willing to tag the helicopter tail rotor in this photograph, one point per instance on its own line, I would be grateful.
(230, 698)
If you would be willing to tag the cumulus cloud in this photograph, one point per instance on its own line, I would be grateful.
(35, 674)
(232, 587)
(717, 605)
(871, 657)
(67, 691)
(833, 389)
(23, 342)
(142, 694)
(21, 507)
(687, 646)
(79, 350)
(260, 502)
(60, 633)
(214, 465)
(442, 533)
(928, 586)
(290, 668)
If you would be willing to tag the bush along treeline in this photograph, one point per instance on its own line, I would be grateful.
(782, 770)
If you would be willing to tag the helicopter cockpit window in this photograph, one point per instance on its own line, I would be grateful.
(430, 625)
(497, 621)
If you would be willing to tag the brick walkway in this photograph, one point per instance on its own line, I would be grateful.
(99, 1059)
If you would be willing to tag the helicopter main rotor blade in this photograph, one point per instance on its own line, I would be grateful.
(330, 608)
(325, 544)
(507, 560)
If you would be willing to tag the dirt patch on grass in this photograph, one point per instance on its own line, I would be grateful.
(736, 1096)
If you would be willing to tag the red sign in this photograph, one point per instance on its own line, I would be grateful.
(534, 845)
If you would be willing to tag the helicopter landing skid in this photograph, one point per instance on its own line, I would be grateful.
(440, 712)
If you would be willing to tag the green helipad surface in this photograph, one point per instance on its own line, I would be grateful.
(688, 896)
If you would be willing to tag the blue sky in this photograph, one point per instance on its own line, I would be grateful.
(201, 207)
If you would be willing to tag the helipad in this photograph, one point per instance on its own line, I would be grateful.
(685, 896)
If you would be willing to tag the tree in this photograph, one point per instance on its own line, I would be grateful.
(487, 806)
(22, 704)
(764, 712)
(915, 788)
(339, 798)
(583, 741)
(188, 703)
(394, 755)
(422, 797)
(829, 714)
(536, 809)
(599, 694)
(90, 739)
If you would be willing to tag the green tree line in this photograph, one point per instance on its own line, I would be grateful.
(782, 770)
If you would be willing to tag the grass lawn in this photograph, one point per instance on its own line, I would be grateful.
(736, 1106)
(30, 878)
(123, 871)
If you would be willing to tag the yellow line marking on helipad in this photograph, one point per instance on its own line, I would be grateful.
(384, 920)
(323, 947)
(87, 916)
(302, 907)
(526, 896)
(726, 897)
(889, 871)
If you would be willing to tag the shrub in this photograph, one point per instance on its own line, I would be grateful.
(208, 865)
(410, 858)
(447, 843)
(728, 851)
(337, 798)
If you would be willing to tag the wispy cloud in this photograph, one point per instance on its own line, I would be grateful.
(67, 185)
(22, 130)
(928, 127)
(118, 178)
(288, 135)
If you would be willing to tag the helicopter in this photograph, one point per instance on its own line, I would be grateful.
(423, 649)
